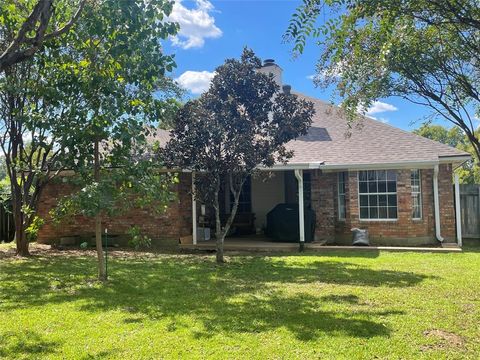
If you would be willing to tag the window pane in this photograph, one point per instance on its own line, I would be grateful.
(392, 175)
(381, 175)
(363, 187)
(382, 212)
(372, 175)
(382, 200)
(392, 186)
(392, 200)
(392, 212)
(364, 212)
(362, 175)
(363, 200)
(372, 187)
(373, 213)
(382, 186)
(373, 200)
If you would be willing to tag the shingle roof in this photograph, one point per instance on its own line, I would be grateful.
(369, 141)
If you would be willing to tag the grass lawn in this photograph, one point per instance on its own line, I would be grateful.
(352, 305)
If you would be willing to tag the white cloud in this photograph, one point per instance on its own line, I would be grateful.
(195, 81)
(196, 24)
(380, 107)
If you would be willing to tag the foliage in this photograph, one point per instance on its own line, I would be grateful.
(470, 172)
(332, 305)
(242, 122)
(103, 80)
(137, 240)
(26, 25)
(34, 227)
(421, 50)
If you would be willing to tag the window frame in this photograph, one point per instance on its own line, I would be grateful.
(418, 193)
(341, 203)
(387, 193)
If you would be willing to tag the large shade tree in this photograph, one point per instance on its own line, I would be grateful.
(26, 25)
(426, 51)
(104, 81)
(241, 123)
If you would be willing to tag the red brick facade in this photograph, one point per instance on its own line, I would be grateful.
(404, 230)
(164, 229)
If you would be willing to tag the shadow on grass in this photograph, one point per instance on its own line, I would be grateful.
(242, 296)
(25, 343)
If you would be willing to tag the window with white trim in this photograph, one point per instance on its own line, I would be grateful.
(416, 184)
(342, 180)
(377, 194)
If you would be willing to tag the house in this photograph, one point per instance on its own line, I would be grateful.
(373, 176)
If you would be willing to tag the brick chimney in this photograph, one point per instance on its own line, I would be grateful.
(269, 66)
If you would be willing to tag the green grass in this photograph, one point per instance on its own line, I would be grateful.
(352, 305)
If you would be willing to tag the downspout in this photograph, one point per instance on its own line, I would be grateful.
(301, 208)
(436, 204)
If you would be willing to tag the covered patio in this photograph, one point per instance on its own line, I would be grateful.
(261, 243)
(281, 184)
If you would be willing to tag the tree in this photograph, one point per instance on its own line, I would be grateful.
(242, 122)
(425, 51)
(25, 26)
(470, 172)
(103, 81)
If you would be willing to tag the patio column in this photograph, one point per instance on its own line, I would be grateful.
(458, 213)
(299, 176)
(194, 211)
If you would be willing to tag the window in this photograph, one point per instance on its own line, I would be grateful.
(342, 179)
(377, 190)
(416, 194)
(245, 199)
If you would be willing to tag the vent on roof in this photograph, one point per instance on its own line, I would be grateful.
(286, 89)
(268, 62)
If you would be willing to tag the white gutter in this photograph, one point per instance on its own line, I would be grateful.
(436, 204)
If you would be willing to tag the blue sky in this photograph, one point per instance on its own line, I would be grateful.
(212, 31)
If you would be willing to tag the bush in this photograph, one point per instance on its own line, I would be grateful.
(137, 240)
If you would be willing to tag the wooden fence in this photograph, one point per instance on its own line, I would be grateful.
(7, 226)
(470, 210)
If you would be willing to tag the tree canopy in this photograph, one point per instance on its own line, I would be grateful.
(103, 83)
(241, 123)
(26, 25)
(426, 51)
(470, 171)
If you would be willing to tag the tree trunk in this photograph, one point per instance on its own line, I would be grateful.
(21, 240)
(219, 234)
(102, 274)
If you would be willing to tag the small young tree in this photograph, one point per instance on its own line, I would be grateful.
(242, 122)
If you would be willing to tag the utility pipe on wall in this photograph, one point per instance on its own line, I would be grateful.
(436, 204)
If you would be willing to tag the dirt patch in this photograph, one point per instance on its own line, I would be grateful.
(444, 340)
(42, 250)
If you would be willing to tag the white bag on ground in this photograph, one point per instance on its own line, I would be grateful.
(360, 237)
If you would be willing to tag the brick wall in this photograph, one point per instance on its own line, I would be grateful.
(403, 231)
(164, 229)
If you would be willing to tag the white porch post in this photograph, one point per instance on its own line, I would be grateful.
(299, 176)
(458, 212)
(194, 211)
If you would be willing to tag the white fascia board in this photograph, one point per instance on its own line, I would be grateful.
(450, 159)
(382, 166)
(293, 166)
